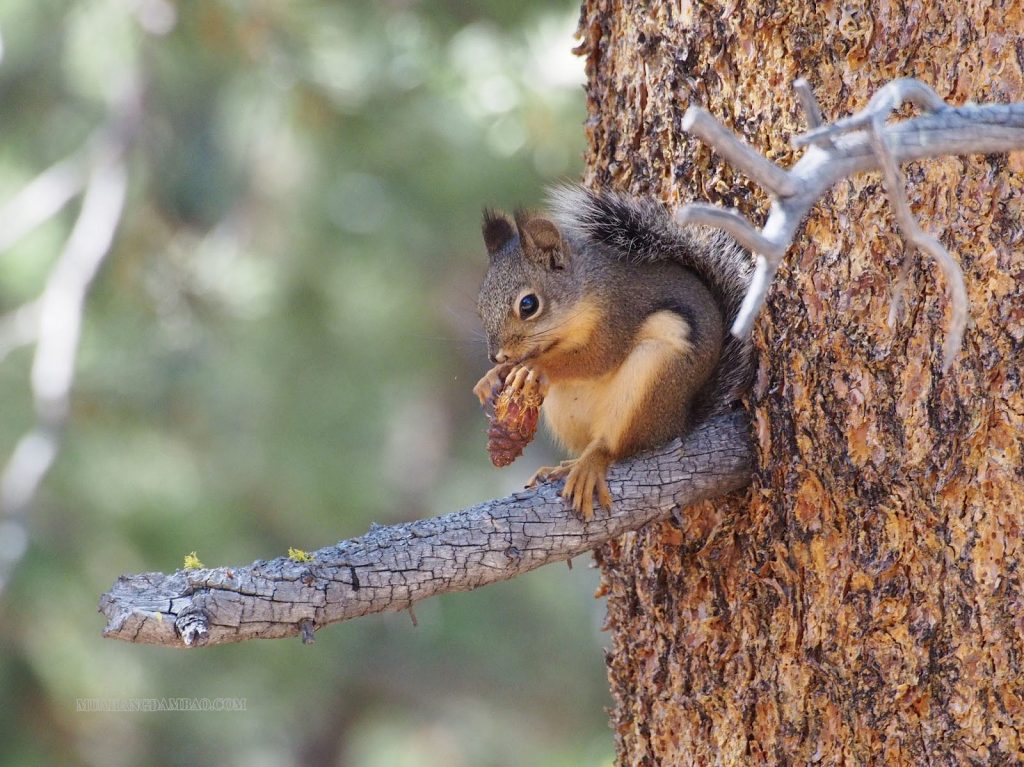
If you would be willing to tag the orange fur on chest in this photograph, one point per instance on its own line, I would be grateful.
(604, 408)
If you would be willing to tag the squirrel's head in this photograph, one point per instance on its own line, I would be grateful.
(528, 297)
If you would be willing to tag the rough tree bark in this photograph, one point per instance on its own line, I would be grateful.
(393, 567)
(862, 604)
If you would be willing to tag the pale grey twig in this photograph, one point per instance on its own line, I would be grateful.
(39, 200)
(18, 328)
(840, 150)
(42, 198)
(700, 123)
(54, 320)
(59, 310)
(887, 100)
(61, 303)
(731, 221)
(812, 110)
(915, 235)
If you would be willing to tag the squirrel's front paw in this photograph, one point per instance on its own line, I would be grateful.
(527, 378)
(492, 382)
(586, 477)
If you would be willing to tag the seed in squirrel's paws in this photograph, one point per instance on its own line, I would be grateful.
(513, 423)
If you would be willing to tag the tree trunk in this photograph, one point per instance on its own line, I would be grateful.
(862, 604)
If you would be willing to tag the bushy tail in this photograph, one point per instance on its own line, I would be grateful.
(643, 231)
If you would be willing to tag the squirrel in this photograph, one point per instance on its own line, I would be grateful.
(619, 318)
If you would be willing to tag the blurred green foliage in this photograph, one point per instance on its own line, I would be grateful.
(279, 352)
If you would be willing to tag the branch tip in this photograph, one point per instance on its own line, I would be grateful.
(731, 221)
(306, 629)
(741, 155)
(917, 237)
(809, 104)
(193, 626)
(764, 273)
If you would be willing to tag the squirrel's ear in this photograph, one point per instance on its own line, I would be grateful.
(542, 242)
(497, 229)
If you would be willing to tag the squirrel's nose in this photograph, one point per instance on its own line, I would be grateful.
(498, 357)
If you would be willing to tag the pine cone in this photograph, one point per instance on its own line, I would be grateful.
(513, 423)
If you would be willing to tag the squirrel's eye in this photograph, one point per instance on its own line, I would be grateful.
(528, 306)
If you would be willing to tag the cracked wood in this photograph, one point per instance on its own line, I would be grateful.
(391, 568)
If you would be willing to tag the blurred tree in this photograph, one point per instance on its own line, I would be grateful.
(278, 352)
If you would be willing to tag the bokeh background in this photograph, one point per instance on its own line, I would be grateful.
(278, 352)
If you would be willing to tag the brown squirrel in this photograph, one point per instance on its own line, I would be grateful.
(619, 317)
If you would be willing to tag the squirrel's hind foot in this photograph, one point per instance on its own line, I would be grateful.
(586, 477)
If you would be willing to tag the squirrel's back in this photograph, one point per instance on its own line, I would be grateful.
(642, 231)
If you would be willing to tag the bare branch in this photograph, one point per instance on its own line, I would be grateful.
(60, 311)
(60, 320)
(18, 328)
(882, 104)
(812, 111)
(760, 281)
(38, 201)
(54, 322)
(392, 568)
(42, 198)
(915, 235)
(700, 123)
(842, 149)
(731, 221)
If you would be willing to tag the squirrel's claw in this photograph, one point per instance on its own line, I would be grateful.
(547, 474)
(524, 377)
(508, 375)
(491, 383)
(604, 494)
(586, 477)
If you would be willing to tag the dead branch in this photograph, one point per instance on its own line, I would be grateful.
(53, 321)
(43, 197)
(18, 327)
(391, 568)
(862, 142)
